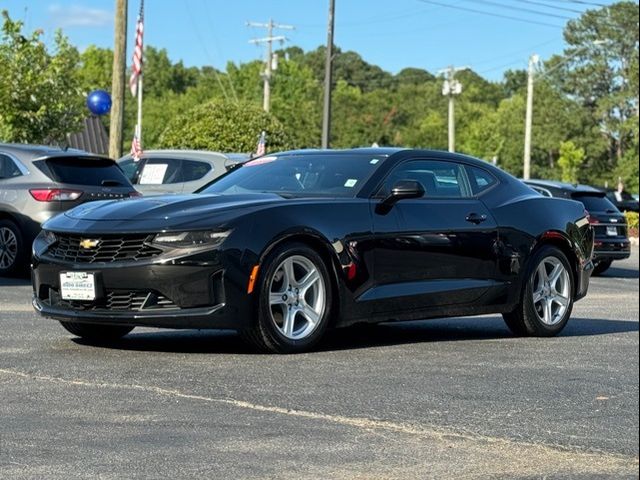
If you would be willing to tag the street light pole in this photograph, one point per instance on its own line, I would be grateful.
(450, 88)
(328, 65)
(533, 60)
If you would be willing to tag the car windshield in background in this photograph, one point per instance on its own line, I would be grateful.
(595, 203)
(300, 175)
(83, 171)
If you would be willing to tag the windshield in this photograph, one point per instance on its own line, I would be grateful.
(300, 175)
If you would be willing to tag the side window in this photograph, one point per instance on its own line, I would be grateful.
(439, 179)
(193, 170)
(159, 171)
(8, 169)
(480, 179)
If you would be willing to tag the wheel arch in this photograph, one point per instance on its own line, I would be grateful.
(321, 246)
(562, 243)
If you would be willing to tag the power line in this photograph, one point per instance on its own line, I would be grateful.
(591, 4)
(206, 51)
(546, 5)
(490, 14)
(521, 9)
(217, 47)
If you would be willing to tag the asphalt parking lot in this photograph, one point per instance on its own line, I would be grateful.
(440, 398)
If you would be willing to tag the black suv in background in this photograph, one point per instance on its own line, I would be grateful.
(38, 182)
(610, 225)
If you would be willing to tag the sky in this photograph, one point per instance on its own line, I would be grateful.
(393, 34)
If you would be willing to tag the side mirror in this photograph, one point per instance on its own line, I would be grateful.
(401, 190)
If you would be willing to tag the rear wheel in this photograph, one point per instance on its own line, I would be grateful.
(601, 267)
(547, 298)
(295, 300)
(12, 250)
(97, 333)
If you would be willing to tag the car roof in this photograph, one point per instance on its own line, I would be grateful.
(331, 151)
(191, 155)
(568, 187)
(28, 153)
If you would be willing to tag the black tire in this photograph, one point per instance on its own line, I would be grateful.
(12, 255)
(264, 333)
(524, 320)
(97, 333)
(601, 267)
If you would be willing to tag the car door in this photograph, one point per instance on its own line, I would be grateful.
(438, 250)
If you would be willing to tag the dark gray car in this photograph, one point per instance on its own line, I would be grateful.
(38, 182)
(161, 172)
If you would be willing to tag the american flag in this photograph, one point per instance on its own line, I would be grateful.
(136, 68)
(136, 148)
(262, 145)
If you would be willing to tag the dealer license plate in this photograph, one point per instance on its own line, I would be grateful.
(77, 286)
(612, 231)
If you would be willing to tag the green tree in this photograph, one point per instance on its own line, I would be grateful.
(40, 96)
(225, 127)
(95, 70)
(569, 161)
(599, 69)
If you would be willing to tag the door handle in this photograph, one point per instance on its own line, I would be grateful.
(476, 218)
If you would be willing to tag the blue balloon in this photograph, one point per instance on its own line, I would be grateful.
(99, 102)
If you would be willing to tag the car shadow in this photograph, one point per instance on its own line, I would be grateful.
(357, 337)
(619, 272)
(14, 281)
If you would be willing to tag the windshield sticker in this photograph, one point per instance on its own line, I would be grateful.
(351, 183)
(374, 161)
(153, 174)
(259, 161)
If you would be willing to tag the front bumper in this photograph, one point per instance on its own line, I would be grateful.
(167, 295)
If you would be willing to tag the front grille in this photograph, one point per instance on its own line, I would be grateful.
(108, 248)
(115, 300)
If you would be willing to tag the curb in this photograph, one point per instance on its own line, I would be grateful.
(634, 241)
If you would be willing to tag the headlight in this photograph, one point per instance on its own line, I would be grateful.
(190, 239)
(49, 237)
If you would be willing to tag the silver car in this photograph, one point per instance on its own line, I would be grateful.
(161, 172)
(38, 182)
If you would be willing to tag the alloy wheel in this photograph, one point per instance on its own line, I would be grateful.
(8, 248)
(297, 297)
(551, 291)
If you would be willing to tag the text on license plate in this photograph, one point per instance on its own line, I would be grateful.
(77, 286)
(612, 231)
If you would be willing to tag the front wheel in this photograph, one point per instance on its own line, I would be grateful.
(295, 300)
(97, 333)
(547, 297)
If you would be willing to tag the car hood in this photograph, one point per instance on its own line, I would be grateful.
(167, 207)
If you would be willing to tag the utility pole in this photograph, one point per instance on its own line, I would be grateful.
(270, 59)
(328, 78)
(533, 60)
(450, 88)
(118, 80)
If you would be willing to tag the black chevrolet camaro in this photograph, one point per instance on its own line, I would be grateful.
(288, 245)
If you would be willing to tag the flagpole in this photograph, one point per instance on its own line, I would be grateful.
(140, 110)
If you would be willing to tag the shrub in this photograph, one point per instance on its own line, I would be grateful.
(632, 222)
(225, 127)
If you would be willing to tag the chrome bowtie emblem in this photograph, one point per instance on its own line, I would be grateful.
(88, 243)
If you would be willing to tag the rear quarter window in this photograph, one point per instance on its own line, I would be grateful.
(480, 179)
(83, 171)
